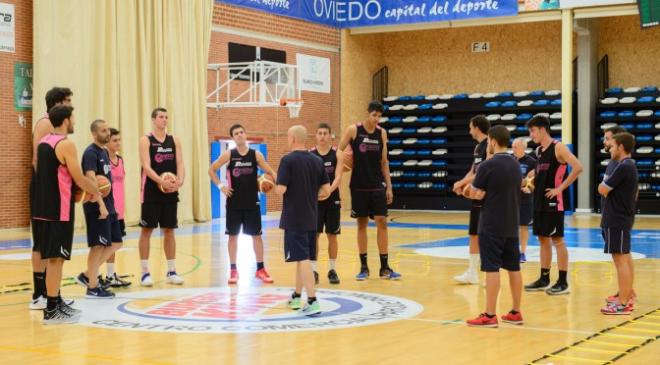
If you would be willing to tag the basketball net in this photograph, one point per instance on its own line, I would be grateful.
(294, 106)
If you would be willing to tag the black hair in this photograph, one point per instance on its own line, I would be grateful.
(375, 106)
(154, 113)
(500, 134)
(481, 122)
(59, 113)
(57, 95)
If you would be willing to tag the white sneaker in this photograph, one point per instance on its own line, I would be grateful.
(173, 278)
(146, 280)
(467, 278)
(38, 304)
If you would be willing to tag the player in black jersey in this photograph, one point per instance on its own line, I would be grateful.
(160, 152)
(371, 186)
(479, 126)
(551, 200)
(243, 207)
(329, 209)
(56, 170)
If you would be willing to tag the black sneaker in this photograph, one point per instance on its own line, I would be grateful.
(99, 293)
(558, 289)
(316, 278)
(58, 316)
(333, 277)
(538, 285)
(116, 281)
(105, 284)
(65, 306)
(82, 280)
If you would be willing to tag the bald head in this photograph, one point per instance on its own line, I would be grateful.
(297, 136)
(519, 146)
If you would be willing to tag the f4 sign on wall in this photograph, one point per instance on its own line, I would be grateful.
(314, 73)
(480, 47)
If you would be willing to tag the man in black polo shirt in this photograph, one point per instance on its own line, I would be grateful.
(497, 182)
(302, 181)
(620, 191)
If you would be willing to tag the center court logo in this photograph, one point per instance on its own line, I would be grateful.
(225, 310)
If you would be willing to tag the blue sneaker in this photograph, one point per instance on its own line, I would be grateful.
(523, 258)
(99, 293)
(363, 275)
(389, 274)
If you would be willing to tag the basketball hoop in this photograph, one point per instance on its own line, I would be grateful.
(294, 106)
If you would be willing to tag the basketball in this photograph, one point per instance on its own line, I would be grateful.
(81, 196)
(348, 158)
(104, 185)
(167, 176)
(528, 183)
(265, 184)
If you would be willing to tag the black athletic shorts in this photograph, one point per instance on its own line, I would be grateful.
(368, 203)
(54, 238)
(498, 253)
(122, 226)
(548, 224)
(102, 232)
(526, 215)
(249, 219)
(159, 214)
(328, 217)
(299, 245)
(475, 212)
(617, 240)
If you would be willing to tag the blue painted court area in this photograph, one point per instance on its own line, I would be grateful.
(644, 241)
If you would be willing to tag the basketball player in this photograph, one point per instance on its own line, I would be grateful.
(620, 191)
(550, 202)
(329, 209)
(497, 184)
(242, 192)
(608, 138)
(302, 181)
(160, 152)
(43, 127)
(118, 175)
(479, 127)
(56, 169)
(527, 167)
(103, 234)
(371, 186)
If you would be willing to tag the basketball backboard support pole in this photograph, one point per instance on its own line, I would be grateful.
(253, 84)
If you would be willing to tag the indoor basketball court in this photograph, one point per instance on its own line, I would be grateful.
(184, 118)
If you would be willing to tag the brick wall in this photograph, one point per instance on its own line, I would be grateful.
(15, 141)
(271, 124)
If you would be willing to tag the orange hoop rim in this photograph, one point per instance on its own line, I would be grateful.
(290, 102)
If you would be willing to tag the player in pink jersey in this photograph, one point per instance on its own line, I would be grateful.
(118, 175)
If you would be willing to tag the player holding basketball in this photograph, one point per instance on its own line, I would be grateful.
(550, 202)
(329, 209)
(160, 152)
(243, 206)
(103, 231)
(371, 186)
(43, 127)
(497, 184)
(56, 169)
(479, 126)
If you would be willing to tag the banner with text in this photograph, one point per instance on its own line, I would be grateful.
(360, 13)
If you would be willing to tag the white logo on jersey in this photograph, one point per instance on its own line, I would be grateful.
(161, 149)
(328, 163)
(242, 164)
(367, 140)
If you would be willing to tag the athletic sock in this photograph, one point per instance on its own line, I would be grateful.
(363, 259)
(314, 265)
(144, 264)
(383, 261)
(51, 303)
(545, 275)
(39, 279)
(332, 263)
(474, 263)
(295, 295)
(562, 277)
(110, 266)
(513, 311)
(233, 266)
(311, 300)
(260, 265)
(171, 267)
(489, 315)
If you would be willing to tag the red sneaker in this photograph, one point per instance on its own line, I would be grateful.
(617, 309)
(263, 276)
(513, 318)
(615, 298)
(483, 321)
(233, 277)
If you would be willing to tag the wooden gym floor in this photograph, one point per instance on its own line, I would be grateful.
(415, 321)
